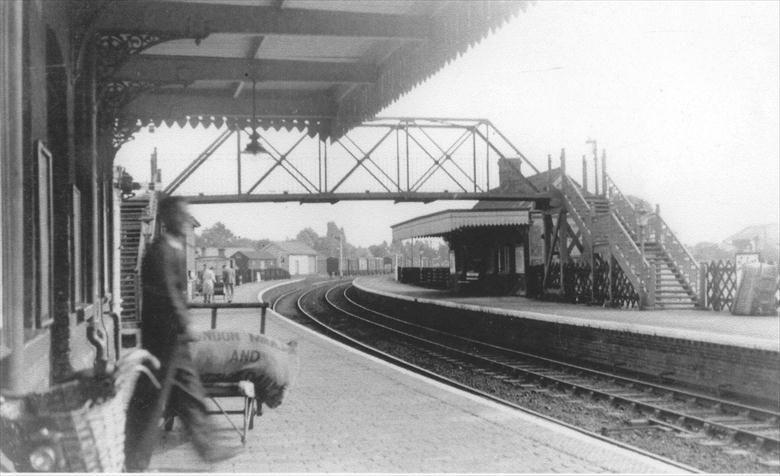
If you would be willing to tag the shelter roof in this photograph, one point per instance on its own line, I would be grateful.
(293, 247)
(255, 254)
(213, 251)
(440, 223)
(320, 66)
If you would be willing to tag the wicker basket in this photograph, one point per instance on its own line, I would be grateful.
(93, 433)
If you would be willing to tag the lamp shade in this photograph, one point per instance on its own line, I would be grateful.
(254, 147)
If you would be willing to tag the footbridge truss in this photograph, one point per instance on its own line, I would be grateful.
(398, 159)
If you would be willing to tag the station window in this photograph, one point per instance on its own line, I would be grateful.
(505, 257)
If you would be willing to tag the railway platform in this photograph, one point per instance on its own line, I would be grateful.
(352, 413)
(715, 353)
(759, 332)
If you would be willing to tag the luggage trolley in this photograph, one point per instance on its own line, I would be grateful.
(243, 389)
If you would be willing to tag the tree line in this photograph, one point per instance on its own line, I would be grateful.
(220, 236)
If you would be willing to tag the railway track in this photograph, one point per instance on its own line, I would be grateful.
(332, 329)
(662, 407)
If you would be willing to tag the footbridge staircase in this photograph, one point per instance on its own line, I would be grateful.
(137, 228)
(658, 266)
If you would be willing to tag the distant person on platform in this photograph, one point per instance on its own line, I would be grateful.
(229, 279)
(166, 332)
(208, 284)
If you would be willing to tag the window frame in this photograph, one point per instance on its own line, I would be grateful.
(45, 256)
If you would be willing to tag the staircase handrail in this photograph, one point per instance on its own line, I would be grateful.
(634, 264)
(577, 204)
(148, 228)
(621, 204)
(683, 258)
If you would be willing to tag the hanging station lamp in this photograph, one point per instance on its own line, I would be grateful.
(254, 147)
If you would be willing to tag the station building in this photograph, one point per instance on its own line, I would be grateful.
(295, 257)
(252, 265)
(79, 78)
(216, 257)
(492, 245)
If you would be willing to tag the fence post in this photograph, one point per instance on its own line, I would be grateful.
(563, 247)
(715, 286)
(702, 285)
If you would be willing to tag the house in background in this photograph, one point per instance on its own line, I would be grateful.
(293, 256)
(253, 265)
(211, 256)
(764, 239)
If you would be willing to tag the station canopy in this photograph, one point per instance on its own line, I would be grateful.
(320, 66)
(447, 221)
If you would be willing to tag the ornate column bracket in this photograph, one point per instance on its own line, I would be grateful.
(113, 49)
(112, 97)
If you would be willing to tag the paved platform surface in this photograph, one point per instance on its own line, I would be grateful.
(707, 326)
(350, 413)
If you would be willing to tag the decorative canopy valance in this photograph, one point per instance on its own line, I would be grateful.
(437, 224)
(323, 66)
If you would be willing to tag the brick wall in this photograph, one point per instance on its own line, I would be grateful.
(752, 375)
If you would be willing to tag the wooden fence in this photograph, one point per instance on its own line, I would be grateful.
(599, 287)
(720, 285)
(428, 277)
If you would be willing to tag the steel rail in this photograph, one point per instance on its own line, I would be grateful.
(331, 331)
(737, 429)
(764, 413)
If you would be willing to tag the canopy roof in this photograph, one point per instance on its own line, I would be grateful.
(324, 66)
(440, 223)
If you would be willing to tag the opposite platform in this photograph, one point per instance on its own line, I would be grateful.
(758, 332)
(352, 413)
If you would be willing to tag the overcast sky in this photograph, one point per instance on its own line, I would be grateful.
(684, 96)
